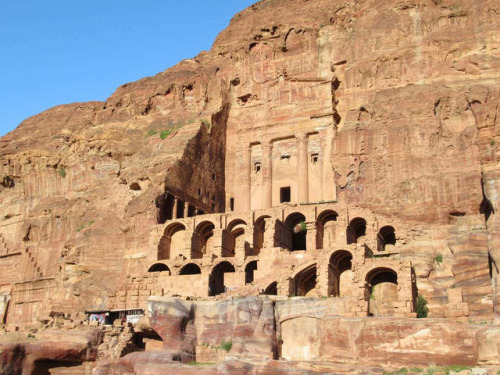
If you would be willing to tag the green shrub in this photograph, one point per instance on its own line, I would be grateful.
(62, 172)
(439, 258)
(152, 132)
(83, 226)
(422, 309)
(303, 226)
(226, 345)
(164, 133)
(492, 142)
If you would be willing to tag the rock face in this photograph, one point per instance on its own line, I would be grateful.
(46, 351)
(206, 331)
(344, 149)
(299, 330)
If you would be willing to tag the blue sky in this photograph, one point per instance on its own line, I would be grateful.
(62, 51)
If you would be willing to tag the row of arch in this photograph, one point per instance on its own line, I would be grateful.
(236, 238)
(216, 278)
(340, 278)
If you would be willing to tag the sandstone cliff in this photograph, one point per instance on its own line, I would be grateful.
(408, 88)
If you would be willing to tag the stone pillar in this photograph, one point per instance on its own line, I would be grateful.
(246, 179)
(186, 209)
(328, 187)
(267, 175)
(174, 213)
(302, 168)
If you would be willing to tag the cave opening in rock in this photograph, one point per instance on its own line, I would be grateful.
(44, 366)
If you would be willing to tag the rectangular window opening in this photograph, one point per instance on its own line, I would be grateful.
(285, 194)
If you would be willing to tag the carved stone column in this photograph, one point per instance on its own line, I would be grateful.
(267, 175)
(174, 211)
(302, 168)
(186, 209)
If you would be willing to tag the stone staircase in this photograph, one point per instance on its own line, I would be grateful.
(4, 250)
(31, 266)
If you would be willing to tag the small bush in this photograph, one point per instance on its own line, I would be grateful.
(492, 142)
(83, 226)
(422, 309)
(152, 132)
(62, 172)
(226, 345)
(164, 134)
(303, 226)
(439, 258)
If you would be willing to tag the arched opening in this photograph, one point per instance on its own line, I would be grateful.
(249, 272)
(259, 230)
(296, 223)
(356, 230)
(305, 282)
(340, 275)
(386, 238)
(159, 267)
(190, 269)
(272, 289)
(381, 291)
(172, 242)
(217, 282)
(326, 229)
(237, 238)
(202, 239)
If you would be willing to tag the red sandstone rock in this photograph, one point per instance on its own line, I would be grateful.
(384, 111)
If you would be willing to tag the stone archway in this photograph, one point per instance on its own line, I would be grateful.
(340, 275)
(172, 242)
(250, 269)
(355, 230)
(305, 282)
(237, 229)
(201, 242)
(326, 225)
(296, 223)
(217, 282)
(386, 238)
(381, 291)
(159, 267)
(259, 230)
(190, 269)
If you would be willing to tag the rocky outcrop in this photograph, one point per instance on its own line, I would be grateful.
(207, 331)
(41, 352)
(298, 330)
